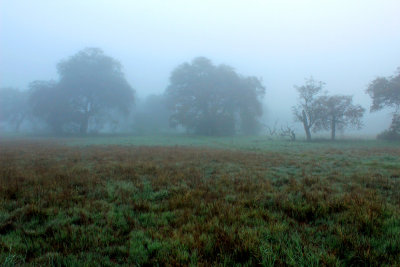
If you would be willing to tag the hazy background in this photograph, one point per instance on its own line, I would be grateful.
(345, 44)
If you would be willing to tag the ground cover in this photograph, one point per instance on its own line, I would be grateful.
(211, 201)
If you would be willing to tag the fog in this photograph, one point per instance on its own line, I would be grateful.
(345, 44)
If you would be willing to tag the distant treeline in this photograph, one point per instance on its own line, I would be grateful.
(92, 95)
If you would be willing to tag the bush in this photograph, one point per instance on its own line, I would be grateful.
(389, 135)
(393, 134)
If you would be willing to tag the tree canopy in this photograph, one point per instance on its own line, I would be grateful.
(318, 111)
(307, 109)
(214, 100)
(49, 103)
(385, 93)
(338, 112)
(91, 85)
(13, 107)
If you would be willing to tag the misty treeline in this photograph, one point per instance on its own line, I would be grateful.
(92, 95)
(319, 111)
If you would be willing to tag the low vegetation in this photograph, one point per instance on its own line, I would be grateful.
(180, 205)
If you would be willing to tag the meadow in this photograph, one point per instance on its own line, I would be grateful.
(198, 201)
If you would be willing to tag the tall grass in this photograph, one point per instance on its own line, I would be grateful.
(115, 204)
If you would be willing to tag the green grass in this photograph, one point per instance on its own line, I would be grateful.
(198, 201)
(249, 143)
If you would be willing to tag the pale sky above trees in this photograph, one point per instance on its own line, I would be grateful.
(345, 44)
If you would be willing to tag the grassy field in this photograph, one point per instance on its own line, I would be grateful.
(179, 200)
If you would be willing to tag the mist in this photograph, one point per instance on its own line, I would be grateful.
(199, 133)
(344, 44)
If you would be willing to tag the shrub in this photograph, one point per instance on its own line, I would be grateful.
(393, 134)
(389, 135)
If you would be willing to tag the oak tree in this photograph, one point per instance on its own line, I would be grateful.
(91, 86)
(214, 100)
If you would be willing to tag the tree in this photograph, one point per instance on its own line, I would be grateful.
(91, 85)
(213, 100)
(250, 106)
(306, 110)
(393, 133)
(13, 107)
(337, 113)
(50, 104)
(94, 83)
(385, 92)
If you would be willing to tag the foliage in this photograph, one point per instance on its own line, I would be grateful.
(210, 100)
(389, 135)
(307, 111)
(91, 86)
(322, 112)
(13, 107)
(385, 92)
(395, 126)
(393, 133)
(114, 205)
(49, 103)
(338, 112)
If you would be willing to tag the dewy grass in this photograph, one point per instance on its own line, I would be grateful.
(277, 205)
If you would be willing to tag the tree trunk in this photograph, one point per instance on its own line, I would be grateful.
(333, 129)
(84, 125)
(306, 126)
(308, 132)
(85, 117)
(19, 122)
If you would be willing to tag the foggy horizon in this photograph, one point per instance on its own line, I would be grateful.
(200, 133)
(345, 45)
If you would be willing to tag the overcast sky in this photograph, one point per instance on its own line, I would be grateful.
(345, 44)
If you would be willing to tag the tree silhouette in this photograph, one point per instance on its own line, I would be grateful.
(213, 100)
